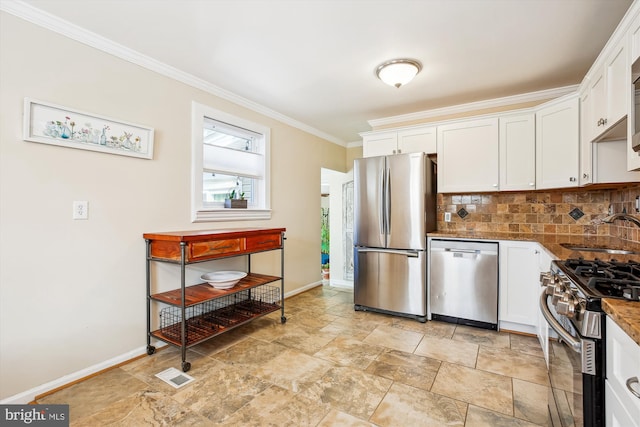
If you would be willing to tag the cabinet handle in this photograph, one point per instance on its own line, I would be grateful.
(399, 151)
(572, 179)
(633, 380)
(495, 185)
(585, 175)
(602, 122)
(394, 151)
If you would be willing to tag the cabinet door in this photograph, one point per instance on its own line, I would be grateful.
(616, 414)
(623, 363)
(417, 140)
(633, 158)
(598, 105)
(517, 152)
(542, 329)
(557, 144)
(519, 284)
(379, 144)
(618, 85)
(609, 94)
(586, 146)
(468, 156)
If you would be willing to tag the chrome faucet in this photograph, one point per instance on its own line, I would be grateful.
(619, 216)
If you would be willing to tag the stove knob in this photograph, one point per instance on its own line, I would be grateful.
(557, 290)
(545, 278)
(567, 305)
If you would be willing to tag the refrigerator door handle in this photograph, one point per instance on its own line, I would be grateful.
(382, 201)
(387, 191)
(410, 254)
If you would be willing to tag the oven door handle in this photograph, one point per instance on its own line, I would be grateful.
(575, 344)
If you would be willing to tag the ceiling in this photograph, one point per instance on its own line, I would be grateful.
(313, 60)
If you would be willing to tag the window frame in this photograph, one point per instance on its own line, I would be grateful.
(199, 213)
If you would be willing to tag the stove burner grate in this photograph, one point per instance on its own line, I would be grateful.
(607, 278)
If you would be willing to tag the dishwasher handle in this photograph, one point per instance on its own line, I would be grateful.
(464, 247)
(463, 251)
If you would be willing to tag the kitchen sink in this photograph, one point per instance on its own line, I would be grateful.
(584, 248)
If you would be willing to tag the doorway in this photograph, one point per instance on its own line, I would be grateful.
(336, 213)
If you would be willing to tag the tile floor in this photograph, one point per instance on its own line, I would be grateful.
(328, 365)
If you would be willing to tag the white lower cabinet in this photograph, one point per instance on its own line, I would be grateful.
(622, 407)
(519, 289)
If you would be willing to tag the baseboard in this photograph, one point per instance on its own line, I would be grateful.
(31, 394)
(517, 328)
(346, 284)
(302, 289)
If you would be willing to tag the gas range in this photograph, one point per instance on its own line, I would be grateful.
(604, 279)
(577, 286)
(571, 303)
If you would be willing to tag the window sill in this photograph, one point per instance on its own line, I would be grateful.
(230, 215)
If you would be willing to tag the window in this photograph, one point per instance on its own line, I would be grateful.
(230, 154)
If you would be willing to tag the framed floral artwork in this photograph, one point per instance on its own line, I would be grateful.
(57, 125)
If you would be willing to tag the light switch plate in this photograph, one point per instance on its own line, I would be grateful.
(447, 217)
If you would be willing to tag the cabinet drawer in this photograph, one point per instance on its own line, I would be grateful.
(214, 248)
(264, 242)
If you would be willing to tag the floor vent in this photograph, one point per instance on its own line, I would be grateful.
(174, 377)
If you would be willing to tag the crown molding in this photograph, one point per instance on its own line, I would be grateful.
(474, 106)
(53, 23)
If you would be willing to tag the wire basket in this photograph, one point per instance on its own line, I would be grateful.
(210, 317)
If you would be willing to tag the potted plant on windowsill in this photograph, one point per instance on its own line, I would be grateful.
(235, 200)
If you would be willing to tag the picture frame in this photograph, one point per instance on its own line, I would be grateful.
(53, 124)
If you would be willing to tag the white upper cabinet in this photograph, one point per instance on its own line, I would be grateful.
(399, 141)
(416, 140)
(608, 93)
(379, 144)
(558, 144)
(585, 175)
(633, 158)
(517, 142)
(468, 156)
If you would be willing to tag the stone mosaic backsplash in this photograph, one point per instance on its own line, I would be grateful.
(554, 212)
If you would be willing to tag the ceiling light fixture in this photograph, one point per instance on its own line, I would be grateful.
(398, 72)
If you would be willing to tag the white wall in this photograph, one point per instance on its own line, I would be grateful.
(72, 293)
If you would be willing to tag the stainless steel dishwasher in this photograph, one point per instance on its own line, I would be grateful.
(463, 282)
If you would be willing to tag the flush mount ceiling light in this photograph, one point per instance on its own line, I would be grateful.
(398, 72)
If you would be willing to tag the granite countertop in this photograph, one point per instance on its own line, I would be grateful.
(626, 314)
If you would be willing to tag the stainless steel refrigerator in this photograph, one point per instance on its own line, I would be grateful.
(394, 208)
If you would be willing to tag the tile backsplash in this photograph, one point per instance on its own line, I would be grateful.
(565, 211)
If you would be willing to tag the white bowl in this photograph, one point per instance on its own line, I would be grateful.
(223, 279)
